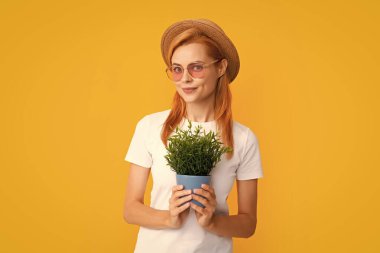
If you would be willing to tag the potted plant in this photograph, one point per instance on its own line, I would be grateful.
(193, 155)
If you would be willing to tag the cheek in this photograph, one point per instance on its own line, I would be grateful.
(209, 86)
(178, 87)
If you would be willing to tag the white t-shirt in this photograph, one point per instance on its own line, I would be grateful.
(147, 150)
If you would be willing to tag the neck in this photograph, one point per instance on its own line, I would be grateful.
(200, 112)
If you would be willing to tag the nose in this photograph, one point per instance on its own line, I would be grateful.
(186, 75)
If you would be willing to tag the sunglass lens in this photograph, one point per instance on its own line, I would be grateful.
(175, 73)
(196, 70)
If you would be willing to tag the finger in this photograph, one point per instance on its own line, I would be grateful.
(204, 193)
(202, 200)
(178, 194)
(176, 202)
(208, 208)
(209, 189)
(176, 188)
(198, 208)
(180, 209)
(180, 201)
(211, 199)
(184, 207)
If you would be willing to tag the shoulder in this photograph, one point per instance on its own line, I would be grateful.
(243, 133)
(154, 119)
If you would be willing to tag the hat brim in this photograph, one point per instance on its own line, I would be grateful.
(211, 30)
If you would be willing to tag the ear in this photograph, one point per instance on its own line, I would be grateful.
(222, 67)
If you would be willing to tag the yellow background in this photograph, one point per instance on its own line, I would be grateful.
(77, 76)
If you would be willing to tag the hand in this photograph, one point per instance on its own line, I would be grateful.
(205, 215)
(177, 212)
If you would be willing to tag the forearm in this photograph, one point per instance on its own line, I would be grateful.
(241, 225)
(145, 216)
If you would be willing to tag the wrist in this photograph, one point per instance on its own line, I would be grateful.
(211, 224)
(167, 222)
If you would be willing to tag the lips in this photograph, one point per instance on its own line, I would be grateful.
(188, 90)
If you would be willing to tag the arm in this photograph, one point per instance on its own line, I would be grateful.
(135, 212)
(244, 223)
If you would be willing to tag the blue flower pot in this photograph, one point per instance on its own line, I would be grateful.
(193, 182)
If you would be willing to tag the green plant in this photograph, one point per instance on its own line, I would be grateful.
(194, 153)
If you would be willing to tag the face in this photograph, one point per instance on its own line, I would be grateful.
(196, 90)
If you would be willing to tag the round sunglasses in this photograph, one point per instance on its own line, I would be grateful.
(196, 70)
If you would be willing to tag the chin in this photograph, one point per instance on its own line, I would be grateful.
(189, 100)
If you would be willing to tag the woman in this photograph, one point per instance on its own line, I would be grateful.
(202, 62)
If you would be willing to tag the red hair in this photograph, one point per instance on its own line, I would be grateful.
(223, 96)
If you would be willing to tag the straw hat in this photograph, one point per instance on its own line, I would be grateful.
(210, 29)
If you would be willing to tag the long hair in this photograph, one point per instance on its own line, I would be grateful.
(223, 96)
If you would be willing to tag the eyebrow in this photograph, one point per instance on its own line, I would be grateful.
(189, 63)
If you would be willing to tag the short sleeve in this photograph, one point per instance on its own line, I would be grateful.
(250, 165)
(138, 152)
